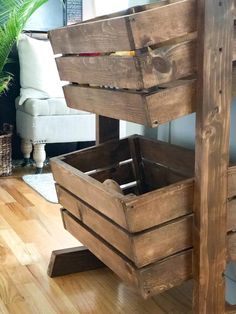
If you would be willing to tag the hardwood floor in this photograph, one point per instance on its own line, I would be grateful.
(30, 228)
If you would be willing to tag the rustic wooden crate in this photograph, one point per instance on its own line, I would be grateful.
(153, 220)
(149, 85)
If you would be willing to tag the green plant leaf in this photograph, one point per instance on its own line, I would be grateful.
(13, 17)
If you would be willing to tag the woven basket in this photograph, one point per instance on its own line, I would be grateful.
(6, 150)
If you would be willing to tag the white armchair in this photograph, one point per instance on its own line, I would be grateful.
(42, 116)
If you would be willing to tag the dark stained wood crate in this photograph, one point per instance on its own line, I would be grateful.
(152, 64)
(123, 67)
(149, 225)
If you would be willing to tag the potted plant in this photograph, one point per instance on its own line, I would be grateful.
(13, 17)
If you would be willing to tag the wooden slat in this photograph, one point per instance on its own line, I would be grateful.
(100, 156)
(155, 67)
(110, 103)
(115, 71)
(215, 37)
(148, 109)
(110, 232)
(144, 248)
(155, 176)
(160, 206)
(115, 261)
(84, 187)
(164, 241)
(167, 63)
(150, 69)
(174, 20)
(172, 103)
(128, 32)
(169, 203)
(171, 272)
(152, 279)
(169, 155)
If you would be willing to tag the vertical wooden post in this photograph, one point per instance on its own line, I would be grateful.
(215, 34)
(106, 129)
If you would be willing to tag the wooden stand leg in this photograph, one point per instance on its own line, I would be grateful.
(68, 261)
(215, 33)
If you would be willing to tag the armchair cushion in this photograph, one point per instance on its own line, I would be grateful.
(38, 71)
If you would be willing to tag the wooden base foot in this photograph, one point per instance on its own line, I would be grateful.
(69, 261)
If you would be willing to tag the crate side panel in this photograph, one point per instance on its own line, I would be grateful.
(117, 71)
(172, 103)
(119, 105)
(171, 21)
(160, 206)
(110, 232)
(164, 241)
(90, 191)
(121, 266)
(168, 63)
(99, 36)
(168, 155)
(162, 276)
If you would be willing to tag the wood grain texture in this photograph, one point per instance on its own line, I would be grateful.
(69, 261)
(165, 275)
(150, 109)
(107, 129)
(215, 35)
(28, 289)
(152, 68)
(83, 186)
(128, 32)
(149, 280)
(160, 206)
(110, 232)
(121, 266)
(144, 248)
(168, 155)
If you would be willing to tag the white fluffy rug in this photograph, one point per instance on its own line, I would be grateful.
(43, 184)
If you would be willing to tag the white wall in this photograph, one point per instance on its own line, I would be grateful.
(88, 9)
(108, 6)
(47, 17)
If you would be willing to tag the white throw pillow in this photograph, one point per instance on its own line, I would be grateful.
(38, 69)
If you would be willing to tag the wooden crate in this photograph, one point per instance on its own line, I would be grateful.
(149, 227)
(141, 71)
